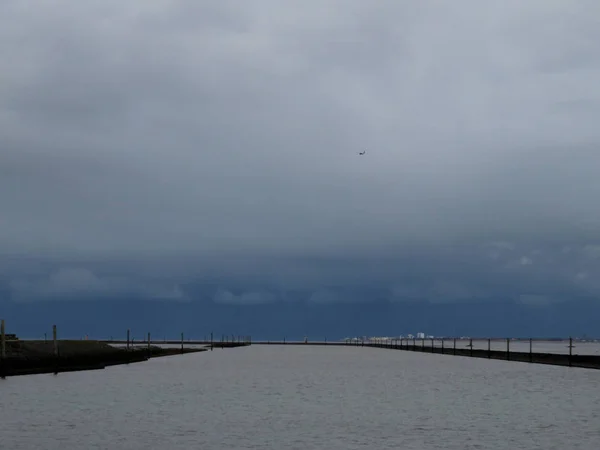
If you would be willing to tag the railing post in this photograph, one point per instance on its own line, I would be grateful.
(471, 347)
(432, 351)
(149, 344)
(455, 346)
(181, 342)
(489, 348)
(2, 340)
(530, 350)
(442, 346)
(211, 341)
(128, 331)
(508, 348)
(55, 340)
(570, 351)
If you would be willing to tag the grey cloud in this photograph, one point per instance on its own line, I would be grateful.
(536, 300)
(245, 298)
(324, 296)
(458, 275)
(70, 283)
(228, 133)
(339, 295)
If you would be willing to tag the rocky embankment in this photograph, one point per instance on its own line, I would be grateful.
(33, 357)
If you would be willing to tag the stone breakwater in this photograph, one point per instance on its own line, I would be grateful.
(35, 357)
(556, 359)
(449, 347)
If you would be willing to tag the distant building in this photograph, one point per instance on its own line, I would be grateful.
(420, 335)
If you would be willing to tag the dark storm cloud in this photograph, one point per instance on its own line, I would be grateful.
(149, 145)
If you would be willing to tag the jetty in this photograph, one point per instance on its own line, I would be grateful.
(449, 347)
(29, 357)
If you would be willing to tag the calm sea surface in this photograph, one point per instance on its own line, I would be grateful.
(334, 398)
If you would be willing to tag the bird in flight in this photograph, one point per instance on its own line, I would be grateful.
(362, 153)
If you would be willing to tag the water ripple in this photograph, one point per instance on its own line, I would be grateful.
(305, 398)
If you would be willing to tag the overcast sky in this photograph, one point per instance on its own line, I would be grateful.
(146, 145)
